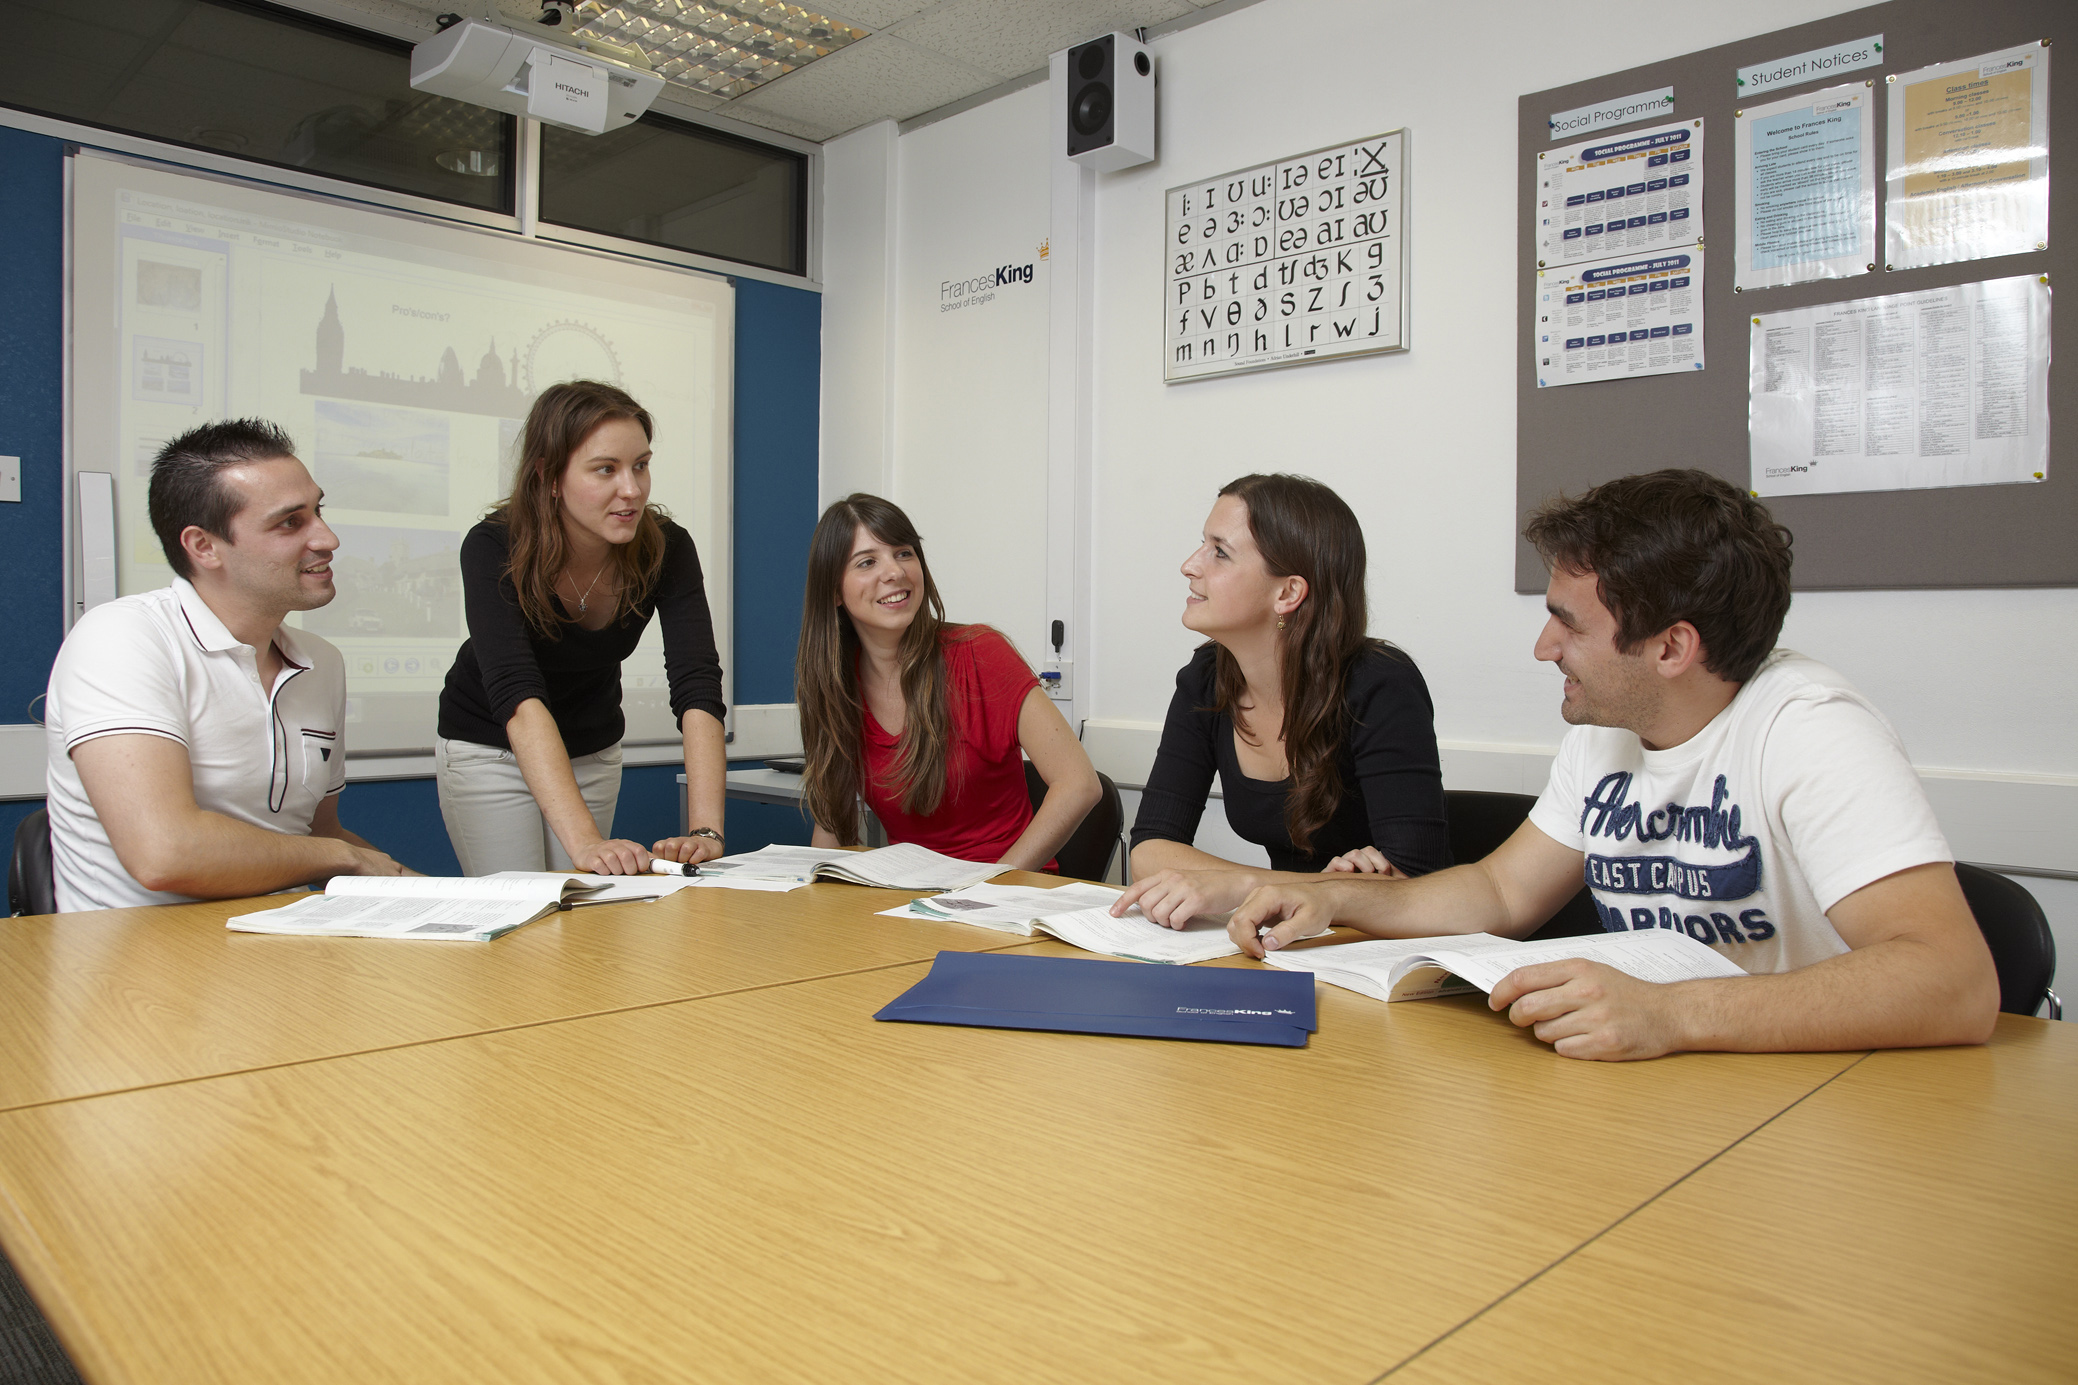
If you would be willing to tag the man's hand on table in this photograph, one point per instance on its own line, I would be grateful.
(1590, 1010)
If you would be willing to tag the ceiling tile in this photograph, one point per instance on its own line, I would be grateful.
(877, 78)
(871, 14)
(1011, 40)
(685, 97)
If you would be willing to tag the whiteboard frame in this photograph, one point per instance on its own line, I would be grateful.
(1398, 207)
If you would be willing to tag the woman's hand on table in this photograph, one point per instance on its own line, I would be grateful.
(687, 850)
(1365, 860)
(612, 856)
(1173, 898)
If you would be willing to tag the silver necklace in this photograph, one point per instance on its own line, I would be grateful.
(584, 600)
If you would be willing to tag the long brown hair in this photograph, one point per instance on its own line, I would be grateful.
(536, 548)
(1303, 529)
(826, 684)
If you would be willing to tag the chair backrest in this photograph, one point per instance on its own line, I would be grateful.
(1087, 854)
(1481, 821)
(2017, 932)
(31, 884)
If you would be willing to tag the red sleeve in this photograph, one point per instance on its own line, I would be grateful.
(989, 681)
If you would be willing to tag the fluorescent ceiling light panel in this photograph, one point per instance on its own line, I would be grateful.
(719, 48)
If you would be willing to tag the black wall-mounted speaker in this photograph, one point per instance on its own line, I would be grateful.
(1106, 102)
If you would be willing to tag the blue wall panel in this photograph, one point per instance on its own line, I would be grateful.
(32, 307)
(402, 817)
(778, 389)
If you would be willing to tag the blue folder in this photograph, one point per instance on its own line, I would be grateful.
(1224, 1005)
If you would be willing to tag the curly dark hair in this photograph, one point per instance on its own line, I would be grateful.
(1675, 545)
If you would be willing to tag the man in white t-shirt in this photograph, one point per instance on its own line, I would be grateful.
(1714, 784)
(195, 743)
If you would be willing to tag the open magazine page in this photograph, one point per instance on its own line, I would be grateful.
(1141, 938)
(774, 862)
(373, 916)
(1656, 955)
(907, 866)
(1014, 904)
(1370, 967)
(606, 889)
(546, 886)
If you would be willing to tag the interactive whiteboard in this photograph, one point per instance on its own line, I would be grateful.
(401, 354)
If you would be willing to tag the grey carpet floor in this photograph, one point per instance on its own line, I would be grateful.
(29, 1353)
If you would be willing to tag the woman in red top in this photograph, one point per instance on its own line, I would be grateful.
(924, 720)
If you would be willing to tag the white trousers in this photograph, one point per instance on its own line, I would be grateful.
(491, 815)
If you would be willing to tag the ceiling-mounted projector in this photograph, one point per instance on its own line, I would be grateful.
(572, 80)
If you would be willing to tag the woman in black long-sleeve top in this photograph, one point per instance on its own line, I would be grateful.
(559, 584)
(1323, 739)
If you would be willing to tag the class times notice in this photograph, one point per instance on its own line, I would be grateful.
(1947, 387)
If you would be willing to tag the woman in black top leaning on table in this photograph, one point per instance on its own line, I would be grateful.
(559, 582)
(1323, 739)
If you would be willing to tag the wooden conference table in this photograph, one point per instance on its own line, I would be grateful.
(667, 1142)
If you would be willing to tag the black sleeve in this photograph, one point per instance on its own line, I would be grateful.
(1393, 741)
(1184, 766)
(497, 627)
(691, 665)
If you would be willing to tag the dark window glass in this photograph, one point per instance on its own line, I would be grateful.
(260, 83)
(665, 182)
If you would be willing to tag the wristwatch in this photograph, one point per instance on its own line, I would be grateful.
(709, 833)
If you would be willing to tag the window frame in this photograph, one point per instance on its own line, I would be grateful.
(508, 180)
(523, 220)
(563, 231)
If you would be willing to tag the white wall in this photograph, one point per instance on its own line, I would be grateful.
(860, 229)
(970, 367)
(1421, 444)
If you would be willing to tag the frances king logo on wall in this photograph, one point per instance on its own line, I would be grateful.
(987, 286)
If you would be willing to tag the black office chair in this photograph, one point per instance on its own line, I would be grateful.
(1481, 821)
(2014, 928)
(1087, 854)
(31, 885)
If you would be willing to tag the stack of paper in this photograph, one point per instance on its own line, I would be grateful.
(1079, 915)
(904, 866)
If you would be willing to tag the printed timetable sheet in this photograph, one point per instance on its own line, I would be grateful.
(1945, 387)
(1621, 195)
(1618, 318)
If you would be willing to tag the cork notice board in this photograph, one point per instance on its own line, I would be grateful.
(1571, 438)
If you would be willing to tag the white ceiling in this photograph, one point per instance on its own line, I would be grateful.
(917, 56)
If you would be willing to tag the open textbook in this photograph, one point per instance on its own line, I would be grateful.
(904, 866)
(1079, 915)
(1417, 968)
(439, 907)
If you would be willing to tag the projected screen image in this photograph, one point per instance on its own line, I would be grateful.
(401, 356)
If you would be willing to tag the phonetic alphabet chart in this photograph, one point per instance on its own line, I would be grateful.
(1298, 260)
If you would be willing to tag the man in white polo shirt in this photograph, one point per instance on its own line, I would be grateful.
(194, 741)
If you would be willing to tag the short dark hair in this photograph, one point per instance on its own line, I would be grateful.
(1677, 545)
(187, 486)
